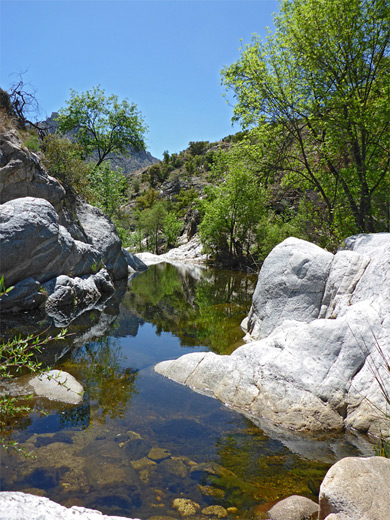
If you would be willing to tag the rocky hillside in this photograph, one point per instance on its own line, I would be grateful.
(56, 250)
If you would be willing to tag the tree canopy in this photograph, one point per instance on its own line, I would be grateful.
(317, 91)
(102, 124)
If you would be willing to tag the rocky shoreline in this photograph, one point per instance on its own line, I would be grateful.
(319, 335)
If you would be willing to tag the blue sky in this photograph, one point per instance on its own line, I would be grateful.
(164, 55)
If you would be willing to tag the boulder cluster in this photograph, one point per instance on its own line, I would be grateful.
(56, 249)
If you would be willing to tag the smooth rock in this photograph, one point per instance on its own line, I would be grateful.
(356, 489)
(57, 385)
(47, 231)
(326, 319)
(294, 507)
(290, 286)
(15, 505)
(34, 245)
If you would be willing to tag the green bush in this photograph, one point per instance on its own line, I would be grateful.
(17, 356)
(32, 142)
(64, 161)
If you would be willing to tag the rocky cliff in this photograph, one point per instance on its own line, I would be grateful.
(56, 250)
(319, 341)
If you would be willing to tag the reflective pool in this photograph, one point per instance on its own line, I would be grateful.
(138, 441)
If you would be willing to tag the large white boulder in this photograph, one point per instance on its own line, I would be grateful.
(15, 505)
(356, 489)
(320, 329)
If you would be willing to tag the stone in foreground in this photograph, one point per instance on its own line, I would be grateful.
(57, 385)
(17, 506)
(356, 489)
(294, 507)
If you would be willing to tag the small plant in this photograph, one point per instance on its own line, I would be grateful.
(17, 356)
(32, 142)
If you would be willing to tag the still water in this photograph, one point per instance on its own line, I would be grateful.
(139, 441)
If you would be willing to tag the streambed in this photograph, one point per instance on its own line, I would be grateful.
(138, 441)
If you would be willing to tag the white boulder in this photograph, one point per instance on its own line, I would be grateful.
(320, 333)
(15, 505)
(356, 489)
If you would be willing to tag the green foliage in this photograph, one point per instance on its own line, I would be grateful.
(147, 200)
(158, 173)
(102, 123)
(184, 200)
(233, 207)
(318, 90)
(17, 356)
(198, 147)
(63, 160)
(110, 188)
(171, 229)
(151, 221)
(32, 142)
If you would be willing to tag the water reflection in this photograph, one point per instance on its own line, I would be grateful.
(100, 367)
(201, 307)
(139, 441)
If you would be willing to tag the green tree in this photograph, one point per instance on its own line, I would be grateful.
(151, 221)
(233, 207)
(318, 91)
(102, 123)
(171, 228)
(110, 188)
(63, 160)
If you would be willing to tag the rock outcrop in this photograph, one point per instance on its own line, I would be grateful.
(47, 234)
(319, 332)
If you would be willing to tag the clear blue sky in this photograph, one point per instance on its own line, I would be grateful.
(164, 55)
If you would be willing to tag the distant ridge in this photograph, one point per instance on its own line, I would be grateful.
(129, 164)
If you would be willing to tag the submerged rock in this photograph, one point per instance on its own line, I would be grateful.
(57, 385)
(185, 506)
(319, 332)
(294, 508)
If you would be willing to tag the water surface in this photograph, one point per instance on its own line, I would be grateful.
(138, 441)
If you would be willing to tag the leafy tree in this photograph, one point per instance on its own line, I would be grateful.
(147, 200)
(103, 123)
(171, 228)
(151, 221)
(198, 147)
(110, 188)
(318, 90)
(233, 207)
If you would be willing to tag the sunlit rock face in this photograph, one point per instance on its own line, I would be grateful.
(319, 334)
(46, 232)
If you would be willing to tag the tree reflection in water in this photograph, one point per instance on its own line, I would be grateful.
(110, 386)
(188, 303)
